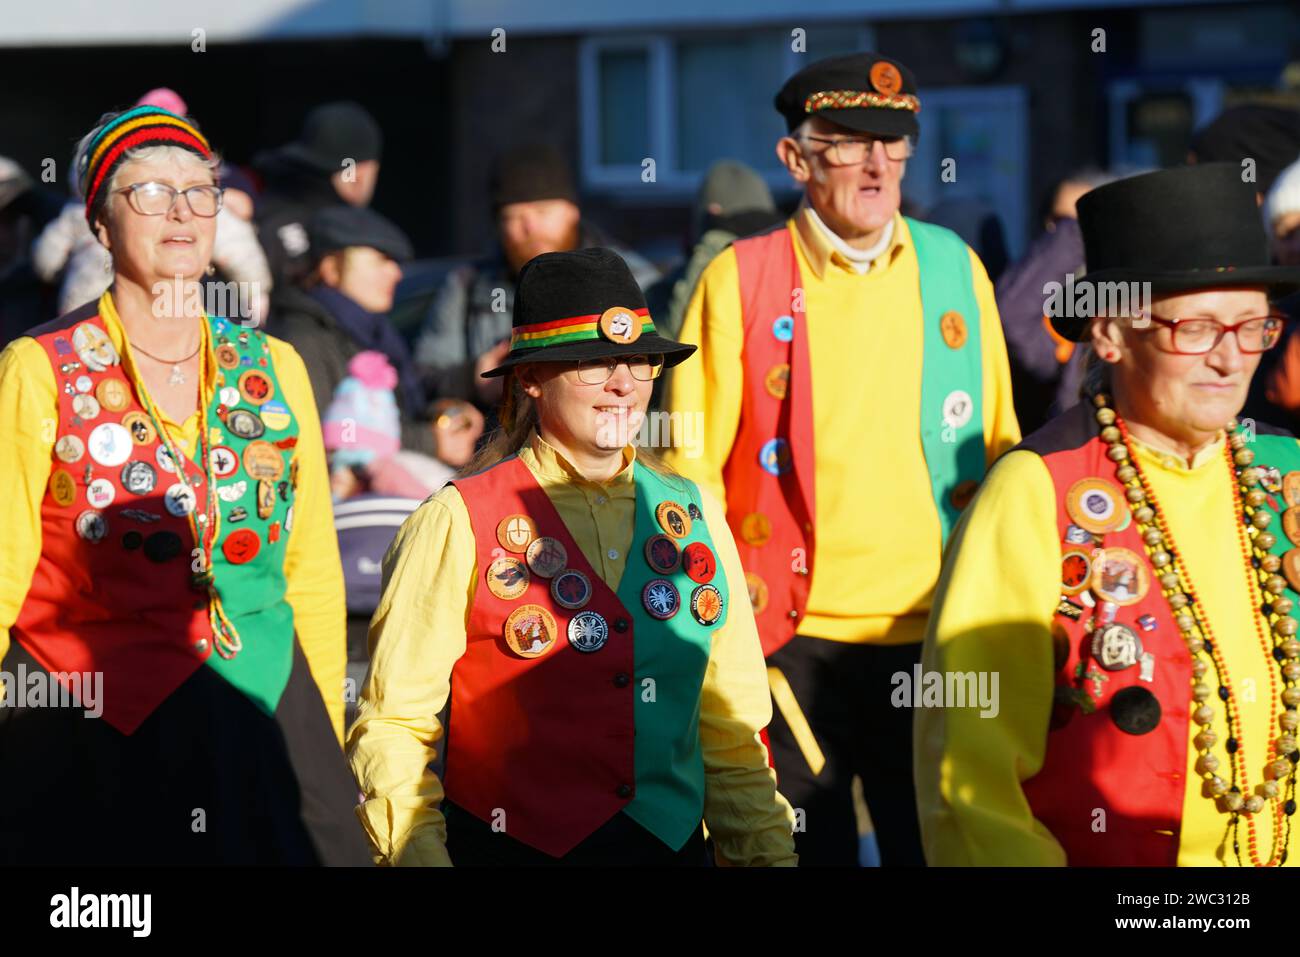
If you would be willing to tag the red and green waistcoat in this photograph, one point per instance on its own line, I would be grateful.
(112, 588)
(554, 746)
(770, 473)
(1107, 746)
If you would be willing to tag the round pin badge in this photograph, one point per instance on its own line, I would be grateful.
(162, 546)
(507, 578)
(546, 557)
(530, 631)
(179, 499)
(1074, 535)
(83, 383)
(673, 519)
(1096, 505)
(232, 492)
(86, 407)
(694, 512)
(661, 599)
(245, 424)
(224, 461)
(588, 631)
(958, 407)
(132, 540)
(662, 554)
(953, 329)
(256, 387)
(141, 429)
(63, 487)
(758, 593)
(113, 395)
(69, 448)
(774, 456)
(620, 324)
(227, 356)
(783, 328)
(1271, 478)
(571, 589)
(706, 604)
(241, 546)
(1116, 647)
(1291, 524)
(1291, 568)
(265, 499)
(514, 532)
(1119, 575)
(100, 493)
(139, 478)
(962, 493)
(1291, 488)
(92, 526)
(1076, 571)
(165, 461)
(94, 348)
(275, 414)
(228, 396)
(109, 444)
(699, 563)
(262, 460)
(1135, 710)
(756, 529)
(777, 381)
(885, 77)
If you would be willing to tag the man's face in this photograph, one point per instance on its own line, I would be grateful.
(856, 202)
(529, 229)
(365, 275)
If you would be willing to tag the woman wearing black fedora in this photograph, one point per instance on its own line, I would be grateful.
(1126, 578)
(583, 612)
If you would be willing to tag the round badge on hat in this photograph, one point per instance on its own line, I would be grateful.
(1135, 710)
(110, 444)
(228, 396)
(662, 554)
(777, 381)
(69, 448)
(139, 478)
(673, 519)
(620, 324)
(783, 328)
(546, 556)
(83, 383)
(699, 563)
(276, 415)
(245, 424)
(241, 546)
(262, 460)
(165, 460)
(706, 604)
(758, 593)
(507, 578)
(774, 456)
(86, 407)
(232, 492)
(141, 429)
(179, 499)
(530, 631)
(113, 395)
(1076, 571)
(588, 631)
(92, 526)
(227, 356)
(661, 599)
(1119, 576)
(571, 589)
(1095, 504)
(958, 407)
(100, 493)
(162, 546)
(94, 348)
(256, 387)
(514, 532)
(885, 77)
(953, 329)
(265, 499)
(756, 529)
(224, 461)
(1116, 647)
(63, 487)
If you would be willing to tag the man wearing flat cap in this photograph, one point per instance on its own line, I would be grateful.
(854, 386)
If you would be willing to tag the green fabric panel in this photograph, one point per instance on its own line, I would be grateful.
(952, 455)
(669, 798)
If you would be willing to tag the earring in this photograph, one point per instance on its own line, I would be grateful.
(211, 269)
(108, 262)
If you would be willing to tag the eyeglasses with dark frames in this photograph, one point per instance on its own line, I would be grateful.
(157, 199)
(644, 368)
(854, 150)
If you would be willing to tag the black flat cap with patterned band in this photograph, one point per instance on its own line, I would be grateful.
(582, 305)
(862, 91)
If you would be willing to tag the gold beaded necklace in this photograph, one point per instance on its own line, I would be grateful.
(1255, 540)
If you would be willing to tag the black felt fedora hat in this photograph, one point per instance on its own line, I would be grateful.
(582, 305)
(1184, 229)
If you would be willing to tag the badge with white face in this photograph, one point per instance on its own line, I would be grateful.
(958, 408)
(94, 348)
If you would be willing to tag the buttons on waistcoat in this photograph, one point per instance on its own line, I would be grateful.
(621, 625)
(622, 680)
(783, 328)
(612, 554)
(201, 646)
(625, 790)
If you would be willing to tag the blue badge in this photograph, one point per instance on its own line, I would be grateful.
(62, 346)
(1147, 622)
(783, 328)
(1077, 536)
(774, 456)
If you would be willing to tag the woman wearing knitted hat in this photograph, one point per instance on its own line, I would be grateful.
(584, 611)
(153, 573)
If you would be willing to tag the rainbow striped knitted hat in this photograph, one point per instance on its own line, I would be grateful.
(140, 126)
(582, 305)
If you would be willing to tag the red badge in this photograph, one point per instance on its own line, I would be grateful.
(241, 546)
(699, 563)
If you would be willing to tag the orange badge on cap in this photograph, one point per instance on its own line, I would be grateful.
(620, 324)
(885, 77)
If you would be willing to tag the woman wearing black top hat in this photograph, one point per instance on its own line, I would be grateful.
(583, 611)
(1126, 579)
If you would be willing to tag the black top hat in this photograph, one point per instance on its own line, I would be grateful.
(582, 305)
(863, 91)
(1193, 227)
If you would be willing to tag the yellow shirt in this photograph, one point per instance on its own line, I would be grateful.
(29, 414)
(878, 533)
(418, 633)
(994, 608)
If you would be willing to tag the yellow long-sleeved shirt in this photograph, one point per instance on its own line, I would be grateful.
(993, 612)
(419, 632)
(878, 533)
(29, 411)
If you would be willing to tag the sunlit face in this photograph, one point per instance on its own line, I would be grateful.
(150, 249)
(364, 275)
(587, 419)
(527, 230)
(1185, 397)
(854, 201)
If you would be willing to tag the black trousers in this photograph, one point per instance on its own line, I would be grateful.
(843, 692)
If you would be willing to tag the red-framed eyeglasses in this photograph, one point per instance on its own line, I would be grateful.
(1195, 337)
